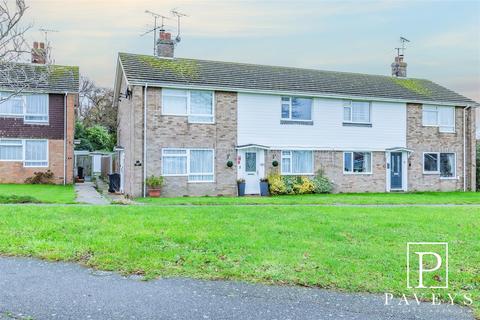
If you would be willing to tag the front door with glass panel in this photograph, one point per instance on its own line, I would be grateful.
(396, 170)
(252, 180)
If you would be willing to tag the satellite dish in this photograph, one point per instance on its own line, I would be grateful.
(178, 39)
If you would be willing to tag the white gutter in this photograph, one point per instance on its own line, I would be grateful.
(465, 148)
(298, 93)
(145, 141)
(65, 139)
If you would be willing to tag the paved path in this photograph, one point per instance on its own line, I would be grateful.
(33, 289)
(86, 193)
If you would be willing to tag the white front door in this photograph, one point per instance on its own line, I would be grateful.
(252, 180)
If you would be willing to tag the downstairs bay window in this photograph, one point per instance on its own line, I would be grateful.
(197, 105)
(196, 164)
(296, 162)
(440, 163)
(33, 153)
(357, 162)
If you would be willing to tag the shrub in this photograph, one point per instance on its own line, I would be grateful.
(154, 182)
(321, 183)
(306, 186)
(276, 184)
(41, 178)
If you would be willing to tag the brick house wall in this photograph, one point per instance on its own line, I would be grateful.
(331, 162)
(14, 172)
(422, 139)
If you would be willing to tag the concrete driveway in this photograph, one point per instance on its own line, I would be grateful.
(34, 289)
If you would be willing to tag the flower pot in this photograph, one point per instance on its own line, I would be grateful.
(154, 193)
(264, 188)
(241, 189)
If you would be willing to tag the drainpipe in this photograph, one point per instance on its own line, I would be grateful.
(65, 139)
(465, 147)
(145, 140)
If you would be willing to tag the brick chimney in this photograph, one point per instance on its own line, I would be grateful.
(399, 67)
(165, 45)
(39, 53)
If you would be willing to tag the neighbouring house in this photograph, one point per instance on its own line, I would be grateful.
(189, 120)
(37, 103)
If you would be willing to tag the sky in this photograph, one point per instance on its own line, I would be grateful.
(354, 36)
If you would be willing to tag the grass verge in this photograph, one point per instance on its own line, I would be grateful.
(351, 249)
(36, 193)
(341, 198)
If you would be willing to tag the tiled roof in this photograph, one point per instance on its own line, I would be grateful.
(38, 77)
(242, 76)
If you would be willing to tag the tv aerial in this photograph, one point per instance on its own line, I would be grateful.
(155, 16)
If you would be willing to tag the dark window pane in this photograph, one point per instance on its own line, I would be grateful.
(301, 108)
(430, 162)
(347, 162)
(285, 111)
(447, 165)
(250, 162)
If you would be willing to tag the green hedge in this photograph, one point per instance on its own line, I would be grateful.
(299, 184)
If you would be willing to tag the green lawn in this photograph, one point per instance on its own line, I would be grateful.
(36, 193)
(341, 198)
(351, 249)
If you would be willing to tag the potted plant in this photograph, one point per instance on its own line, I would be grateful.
(241, 187)
(154, 185)
(264, 187)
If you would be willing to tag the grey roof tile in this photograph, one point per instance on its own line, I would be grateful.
(230, 75)
(38, 77)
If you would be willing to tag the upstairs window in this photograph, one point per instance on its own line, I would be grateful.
(356, 112)
(439, 116)
(197, 105)
(297, 162)
(296, 109)
(32, 107)
(357, 162)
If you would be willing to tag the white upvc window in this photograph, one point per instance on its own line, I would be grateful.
(197, 105)
(357, 162)
(196, 164)
(439, 116)
(297, 162)
(296, 108)
(32, 152)
(32, 107)
(11, 150)
(442, 163)
(357, 112)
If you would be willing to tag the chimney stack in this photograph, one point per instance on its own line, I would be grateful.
(39, 53)
(165, 44)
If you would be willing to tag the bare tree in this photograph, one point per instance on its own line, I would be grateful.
(96, 105)
(14, 76)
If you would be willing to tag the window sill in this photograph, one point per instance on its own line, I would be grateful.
(357, 124)
(298, 122)
(449, 178)
(200, 181)
(357, 173)
(297, 174)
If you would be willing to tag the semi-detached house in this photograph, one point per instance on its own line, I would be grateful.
(189, 120)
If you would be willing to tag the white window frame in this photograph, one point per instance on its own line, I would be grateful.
(21, 144)
(189, 114)
(437, 172)
(290, 109)
(351, 156)
(24, 151)
(290, 156)
(187, 156)
(24, 113)
(348, 104)
(436, 109)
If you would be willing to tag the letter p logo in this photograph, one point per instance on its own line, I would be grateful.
(427, 265)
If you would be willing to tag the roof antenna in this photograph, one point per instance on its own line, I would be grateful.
(402, 48)
(48, 47)
(155, 27)
(399, 66)
(179, 15)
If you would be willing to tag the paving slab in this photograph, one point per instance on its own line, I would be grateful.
(86, 193)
